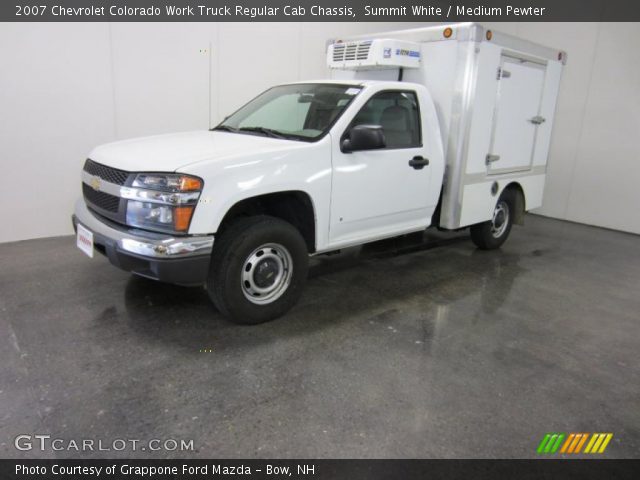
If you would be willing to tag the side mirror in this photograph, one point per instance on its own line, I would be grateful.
(364, 137)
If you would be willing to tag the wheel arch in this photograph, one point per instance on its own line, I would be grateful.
(520, 201)
(293, 206)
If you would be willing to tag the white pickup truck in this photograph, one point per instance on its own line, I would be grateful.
(442, 126)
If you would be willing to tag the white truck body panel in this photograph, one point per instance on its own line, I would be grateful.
(482, 113)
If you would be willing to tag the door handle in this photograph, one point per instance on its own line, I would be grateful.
(418, 162)
(537, 120)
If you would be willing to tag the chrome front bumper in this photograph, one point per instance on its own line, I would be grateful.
(140, 242)
(178, 260)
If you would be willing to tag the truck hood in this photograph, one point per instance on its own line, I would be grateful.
(167, 153)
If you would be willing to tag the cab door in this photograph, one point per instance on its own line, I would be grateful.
(380, 192)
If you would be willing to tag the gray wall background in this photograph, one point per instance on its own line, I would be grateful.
(66, 87)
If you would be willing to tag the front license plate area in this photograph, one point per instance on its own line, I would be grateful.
(84, 240)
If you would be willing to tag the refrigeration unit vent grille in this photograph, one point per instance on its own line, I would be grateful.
(351, 51)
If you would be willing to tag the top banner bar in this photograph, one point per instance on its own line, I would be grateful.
(319, 10)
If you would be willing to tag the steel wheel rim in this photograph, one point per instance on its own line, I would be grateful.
(500, 219)
(266, 273)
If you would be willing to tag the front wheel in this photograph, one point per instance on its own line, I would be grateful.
(258, 269)
(492, 234)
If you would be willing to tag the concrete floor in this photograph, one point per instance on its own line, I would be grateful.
(433, 352)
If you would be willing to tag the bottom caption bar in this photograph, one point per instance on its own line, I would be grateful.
(318, 469)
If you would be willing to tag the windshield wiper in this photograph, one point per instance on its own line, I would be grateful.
(266, 131)
(225, 128)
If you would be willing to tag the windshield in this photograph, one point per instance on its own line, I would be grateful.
(296, 112)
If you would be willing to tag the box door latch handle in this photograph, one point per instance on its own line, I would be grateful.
(502, 73)
(537, 120)
(491, 158)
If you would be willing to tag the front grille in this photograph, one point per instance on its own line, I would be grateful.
(108, 174)
(101, 200)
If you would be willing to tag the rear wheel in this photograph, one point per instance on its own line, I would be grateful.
(492, 234)
(258, 269)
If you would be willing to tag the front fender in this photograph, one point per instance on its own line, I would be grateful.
(300, 166)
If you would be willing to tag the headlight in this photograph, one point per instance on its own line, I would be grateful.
(171, 183)
(162, 201)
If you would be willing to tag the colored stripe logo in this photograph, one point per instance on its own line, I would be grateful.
(573, 443)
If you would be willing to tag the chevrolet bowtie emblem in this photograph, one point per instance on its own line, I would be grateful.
(95, 183)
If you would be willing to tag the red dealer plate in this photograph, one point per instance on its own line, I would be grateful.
(84, 240)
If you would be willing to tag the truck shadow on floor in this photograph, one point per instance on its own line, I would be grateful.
(355, 285)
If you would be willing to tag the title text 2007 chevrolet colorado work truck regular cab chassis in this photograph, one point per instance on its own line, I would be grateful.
(442, 126)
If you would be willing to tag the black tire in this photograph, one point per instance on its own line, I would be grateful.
(246, 257)
(492, 234)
